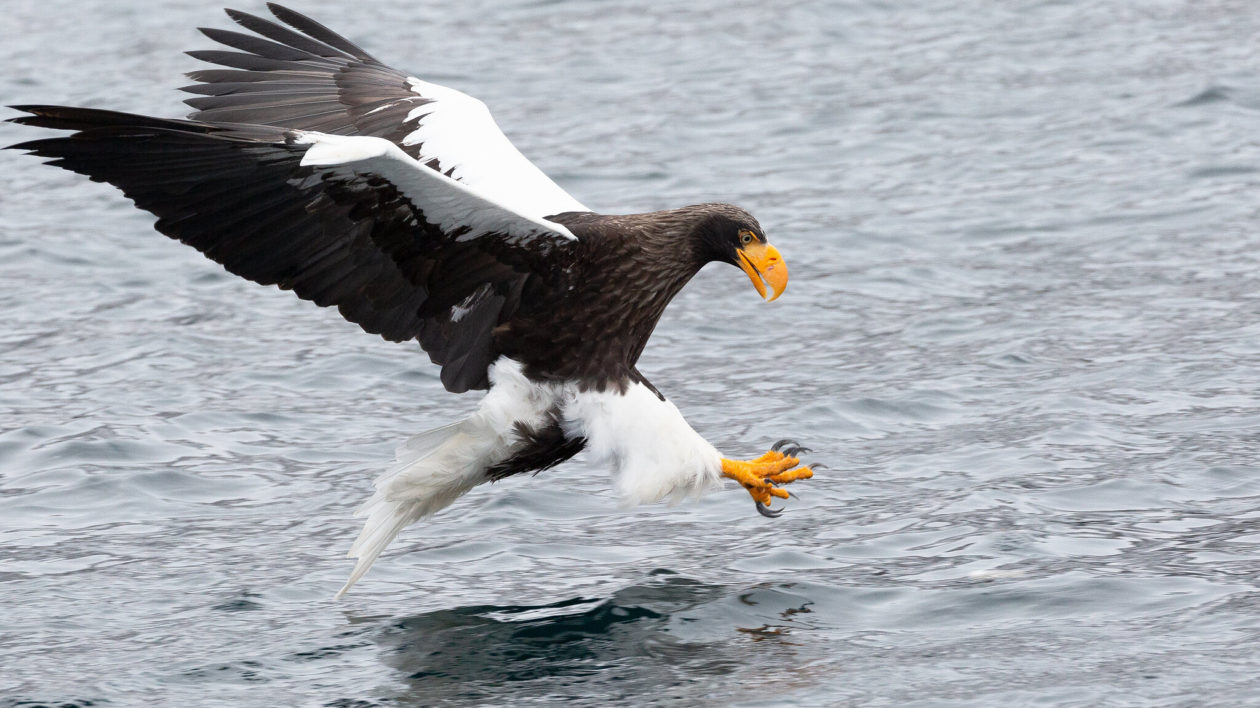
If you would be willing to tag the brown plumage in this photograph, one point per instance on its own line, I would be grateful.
(590, 318)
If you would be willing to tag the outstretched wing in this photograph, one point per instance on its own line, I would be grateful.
(308, 77)
(351, 222)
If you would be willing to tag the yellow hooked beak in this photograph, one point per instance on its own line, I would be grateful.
(764, 266)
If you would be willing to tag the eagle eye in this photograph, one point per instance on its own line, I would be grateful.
(746, 237)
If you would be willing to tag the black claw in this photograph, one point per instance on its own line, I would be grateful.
(818, 466)
(768, 512)
(795, 450)
(784, 441)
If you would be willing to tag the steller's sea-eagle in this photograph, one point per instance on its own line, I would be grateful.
(312, 166)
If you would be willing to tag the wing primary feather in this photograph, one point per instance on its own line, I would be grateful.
(68, 118)
(284, 35)
(262, 99)
(263, 88)
(378, 238)
(275, 79)
(313, 29)
(251, 62)
(221, 75)
(304, 112)
(255, 45)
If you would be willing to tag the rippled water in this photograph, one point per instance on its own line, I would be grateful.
(1022, 330)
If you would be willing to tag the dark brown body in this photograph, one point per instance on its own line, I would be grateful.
(590, 318)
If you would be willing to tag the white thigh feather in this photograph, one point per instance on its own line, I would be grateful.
(654, 452)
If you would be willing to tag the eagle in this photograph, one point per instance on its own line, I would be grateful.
(310, 165)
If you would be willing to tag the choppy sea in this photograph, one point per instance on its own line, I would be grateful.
(1023, 331)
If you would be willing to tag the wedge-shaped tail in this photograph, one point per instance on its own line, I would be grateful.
(433, 469)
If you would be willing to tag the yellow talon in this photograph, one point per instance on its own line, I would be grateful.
(759, 476)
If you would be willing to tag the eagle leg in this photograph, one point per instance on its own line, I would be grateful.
(759, 476)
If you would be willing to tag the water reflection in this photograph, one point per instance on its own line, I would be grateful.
(665, 637)
(624, 642)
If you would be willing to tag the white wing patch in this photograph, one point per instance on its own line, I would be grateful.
(445, 203)
(460, 133)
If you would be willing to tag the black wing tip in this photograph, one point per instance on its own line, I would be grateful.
(32, 108)
(290, 17)
(20, 120)
(99, 121)
(47, 111)
(43, 115)
(33, 147)
(317, 31)
(280, 10)
(245, 19)
(211, 31)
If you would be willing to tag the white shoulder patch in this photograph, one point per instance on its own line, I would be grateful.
(445, 202)
(460, 133)
(339, 149)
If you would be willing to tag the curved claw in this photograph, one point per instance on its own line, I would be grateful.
(818, 466)
(768, 512)
(795, 450)
(785, 441)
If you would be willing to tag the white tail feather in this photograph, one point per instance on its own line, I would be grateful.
(437, 467)
(433, 469)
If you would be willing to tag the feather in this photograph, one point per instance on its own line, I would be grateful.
(285, 36)
(317, 31)
(353, 232)
(435, 468)
(276, 77)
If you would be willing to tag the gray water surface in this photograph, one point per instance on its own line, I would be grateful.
(1023, 330)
